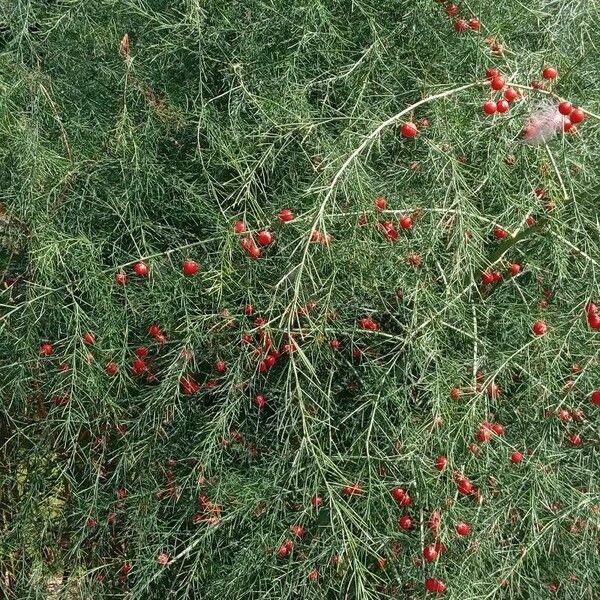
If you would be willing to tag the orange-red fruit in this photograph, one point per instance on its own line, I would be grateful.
(111, 368)
(406, 222)
(286, 215)
(435, 586)
(141, 269)
(539, 328)
(595, 397)
(441, 462)
(264, 238)
(461, 25)
(405, 522)
(380, 203)
(549, 73)
(409, 130)
(455, 393)
(577, 116)
(462, 528)
(516, 458)
(239, 227)
(430, 553)
(46, 349)
(352, 490)
(500, 233)
(491, 72)
(88, 338)
(574, 439)
(489, 107)
(497, 83)
(565, 108)
(121, 278)
(474, 24)
(514, 268)
(190, 268)
(452, 10)
(502, 106)
(511, 95)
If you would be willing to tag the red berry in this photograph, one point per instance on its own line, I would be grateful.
(574, 439)
(430, 553)
(539, 328)
(498, 428)
(465, 487)
(405, 522)
(492, 72)
(577, 116)
(154, 330)
(497, 83)
(239, 227)
(489, 107)
(516, 458)
(434, 585)
(111, 368)
(595, 397)
(380, 203)
(286, 215)
(441, 462)
(461, 25)
(335, 344)
(46, 349)
(549, 73)
(502, 106)
(406, 222)
(594, 320)
(189, 386)
(452, 10)
(220, 366)
(484, 435)
(260, 401)
(121, 278)
(141, 269)
(398, 494)
(487, 278)
(283, 551)
(500, 233)
(316, 501)
(514, 268)
(455, 393)
(190, 268)
(264, 238)
(474, 24)
(88, 338)
(313, 575)
(565, 108)
(409, 130)
(352, 490)
(462, 528)
(511, 95)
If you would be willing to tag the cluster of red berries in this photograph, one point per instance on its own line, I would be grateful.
(498, 84)
(264, 237)
(460, 24)
(388, 228)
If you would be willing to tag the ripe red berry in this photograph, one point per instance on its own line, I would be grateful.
(260, 401)
(436, 586)
(313, 575)
(46, 349)
(484, 435)
(455, 393)
(497, 83)
(189, 386)
(406, 222)
(239, 227)
(190, 268)
(500, 233)
(380, 203)
(264, 238)
(441, 462)
(452, 10)
(352, 490)
(539, 328)
(565, 108)
(286, 215)
(498, 428)
(316, 501)
(405, 522)
(595, 397)
(487, 278)
(489, 107)
(516, 458)
(461, 25)
(121, 278)
(335, 344)
(283, 551)
(514, 268)
(574, 439)
(220, 366)
(430, 553)
(549, 73)
(398, 494)
(141, 269)
(491, 72)
(502, 106)
(88, 338)
(462, 528)
(465, 487)
(510, 95)
(409, 130)
(474, 24)
(111, 368)
(577, 116)
(154, 330)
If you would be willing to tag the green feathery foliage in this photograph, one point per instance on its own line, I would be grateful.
(142, 130)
